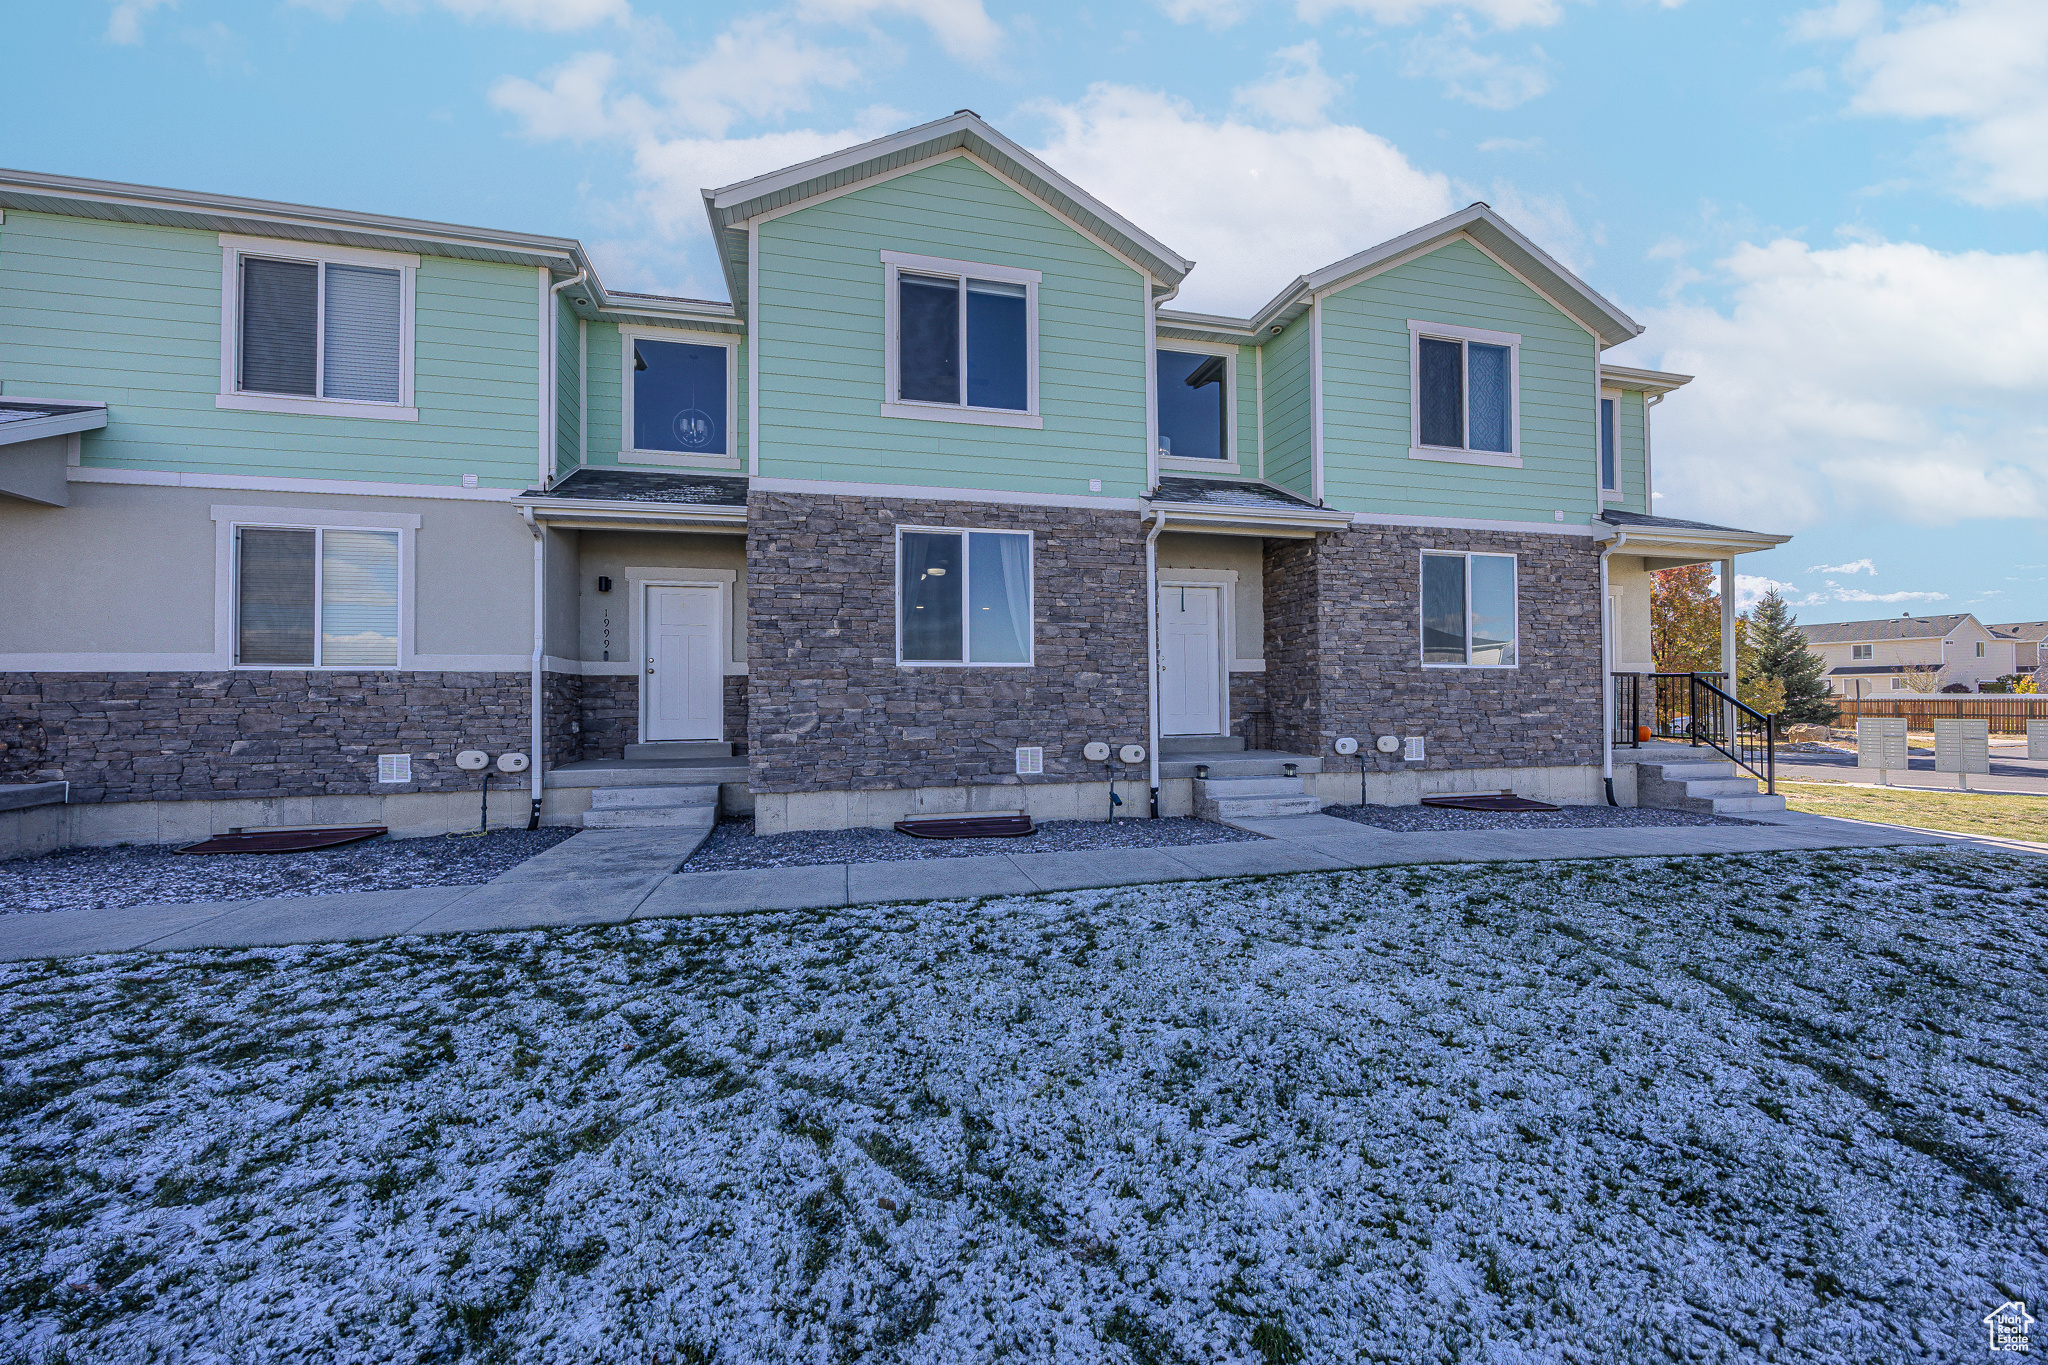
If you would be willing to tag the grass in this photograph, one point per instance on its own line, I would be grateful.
(1712, 1109)
(1994, 814)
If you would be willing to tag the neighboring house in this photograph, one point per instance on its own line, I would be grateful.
(1867, 658)
(293, 490)
(2029, 639)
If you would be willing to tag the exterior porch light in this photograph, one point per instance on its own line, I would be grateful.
(1291, 769)
(1201, 772)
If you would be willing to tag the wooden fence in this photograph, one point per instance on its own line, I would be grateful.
(2008, 714)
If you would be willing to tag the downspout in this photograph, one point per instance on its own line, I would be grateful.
(551, 380)
(539, 641)
(1152, 651)
(1607, 670)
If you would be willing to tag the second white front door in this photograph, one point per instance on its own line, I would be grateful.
(1191, 660)
(685, 677)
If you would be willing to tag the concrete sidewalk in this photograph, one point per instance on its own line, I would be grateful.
(611, 876)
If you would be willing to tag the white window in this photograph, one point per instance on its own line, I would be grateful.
(1980, 649)
(1610, 474)
(316, 330)
(1197, 387)
(679, 391)
(1859, 651)
(963, 597)
(1463, 390)
(1898, 684)
(316, 597)
(1468, 610)
(962, 341)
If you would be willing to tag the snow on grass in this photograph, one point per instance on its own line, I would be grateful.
(1701, 1109)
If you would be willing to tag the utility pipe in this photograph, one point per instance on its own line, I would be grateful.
(539, 641)
(1607, 670)
(1152, 666)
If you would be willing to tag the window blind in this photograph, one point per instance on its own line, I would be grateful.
(359, 598)
(275, 592)
(279, 304)
(362, 334)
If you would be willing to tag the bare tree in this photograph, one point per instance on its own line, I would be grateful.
(1921, 678)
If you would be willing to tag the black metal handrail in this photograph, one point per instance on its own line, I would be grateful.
(1628, 709)
(1753, 746)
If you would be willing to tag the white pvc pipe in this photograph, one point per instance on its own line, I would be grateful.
(1152, 652)
(539, 644)
(1607, 671)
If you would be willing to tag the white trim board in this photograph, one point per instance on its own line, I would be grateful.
(727, 459)
(1231, 462)
(225, 521)
(640, 577)
(893, 403)
(906, 491)
(1545, 528)
(164, 478)
(231, 396)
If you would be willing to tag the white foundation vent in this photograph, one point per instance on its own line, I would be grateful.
(1030, 762)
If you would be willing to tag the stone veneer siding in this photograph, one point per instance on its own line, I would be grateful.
(831, 710)
(1343, 651)
(252, 733)
(610, 714)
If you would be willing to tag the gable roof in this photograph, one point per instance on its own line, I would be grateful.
(1889, 628)
(2023, 630)
(729, 207)
(1476, 222)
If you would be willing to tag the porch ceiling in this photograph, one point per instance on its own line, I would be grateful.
(1668, 543)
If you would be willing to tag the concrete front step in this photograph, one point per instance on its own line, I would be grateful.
(1199, 744)
(616, 772)
(679, 748)
(1236, 808)
(1706, 788)
(651, 807)
(1755, 804)
(1227, 800)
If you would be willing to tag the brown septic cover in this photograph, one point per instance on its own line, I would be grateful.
(1501, 802)
(968, 827)
(285, 840)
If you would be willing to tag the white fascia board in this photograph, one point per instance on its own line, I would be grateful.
(1206, 514)
(1534, 528)
(606, 509)
(37, 192)
(1641, 381)
(1664, 541)
(933, 493)
(729, 204)
(165, 478)
(62, 424)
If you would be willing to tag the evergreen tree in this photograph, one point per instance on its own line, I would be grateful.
(1779, 655)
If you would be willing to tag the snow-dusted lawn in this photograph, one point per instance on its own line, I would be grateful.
(1707, 1109)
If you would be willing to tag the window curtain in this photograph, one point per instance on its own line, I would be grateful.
(362, 334)
(274, 597)
(998, 369)
(1488, 374)
(1493, 609)
(279, 305)
(999, 613)
(1441, 392)
(1443, 609)
(928, 346)
(359, 598)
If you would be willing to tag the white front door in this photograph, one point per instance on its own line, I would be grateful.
(685, 664)
(1191, 660)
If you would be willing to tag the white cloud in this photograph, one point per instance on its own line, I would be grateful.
(1256, 206)
(962, 27)
(1486, 79)
(124, 21)
(1511, 144)
(572, 108)
(556, 16)
(1979, 65)
(1215, 14)
(1873, 378)
(1296, 89)
(1499, 13)
(1853, 566)
(1858, 595)
(1750, 587)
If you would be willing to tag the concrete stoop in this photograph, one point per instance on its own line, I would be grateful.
(1227, 800)
(663, 807)
(1705, 787)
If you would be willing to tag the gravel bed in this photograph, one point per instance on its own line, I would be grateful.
(1430, 819)
(146, 874)
(733, 845)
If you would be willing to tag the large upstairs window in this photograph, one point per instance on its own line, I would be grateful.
(681, 390)
(316, 330)
(1194, 403)
(1464, 394)
(962, 341)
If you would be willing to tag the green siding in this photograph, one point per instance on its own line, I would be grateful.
(1289, 442)
(822, 330)
(1366, 424)
(607, 407)
(568, 402)
(130, 314)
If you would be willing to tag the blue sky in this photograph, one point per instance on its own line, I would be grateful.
(1831, 215)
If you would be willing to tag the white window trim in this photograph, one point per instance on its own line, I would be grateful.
(1444, 331)
(1609, 492)
(628, 454)
(1421, 605)
(892, 406)
(966, 585)
(1868, 651)
(1230, 442)
(1225, 583)
(227, 578)
(232, 249)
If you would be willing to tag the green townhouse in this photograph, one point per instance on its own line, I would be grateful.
(948, 510)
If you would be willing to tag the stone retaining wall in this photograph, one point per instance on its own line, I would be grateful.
(830, 708)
